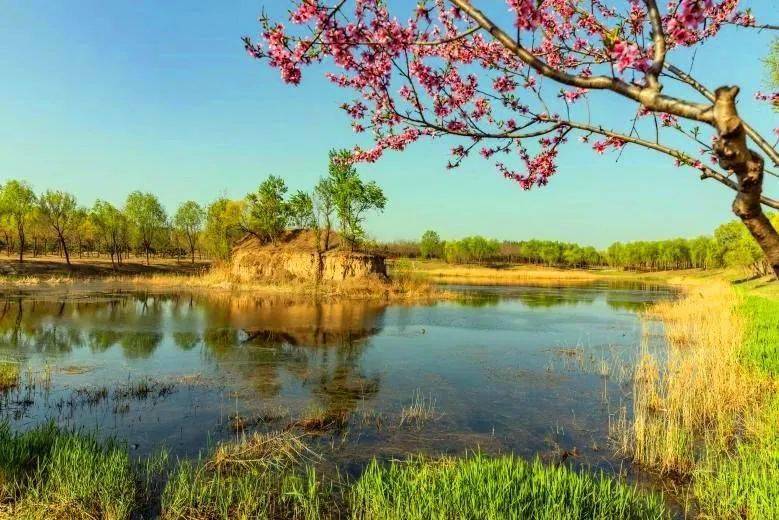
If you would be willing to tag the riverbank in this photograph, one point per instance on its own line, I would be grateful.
(705, 407)
(50, 473)
(292, 474)
(95, 274)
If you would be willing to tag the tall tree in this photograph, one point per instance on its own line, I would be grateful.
(223, 227)
(189, 221)
(147, 216)
(301, 210)
(430, 246)
(453, 69)
(352, 197)
(324, 207)
(18, 202)
(112, 225)
(58, 210)
(268, 213)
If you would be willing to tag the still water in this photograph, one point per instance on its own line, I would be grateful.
(529, 370)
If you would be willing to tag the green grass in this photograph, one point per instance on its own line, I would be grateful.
(479, 487)
(196, 491)
(9, 375)
(49, 473)
(259, 476)
(761, 341)
(744, 483)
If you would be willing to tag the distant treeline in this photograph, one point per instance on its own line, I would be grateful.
(53, 222)
(730, 246)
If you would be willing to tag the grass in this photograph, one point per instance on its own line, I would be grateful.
(420, 411)
(9, 375)
(743, 481)
(48, 473)
(761, 340)
(706, 409)
(261, 476)
(492, 489)
(439, 271)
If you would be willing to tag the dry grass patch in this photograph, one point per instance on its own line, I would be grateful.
(700, 391)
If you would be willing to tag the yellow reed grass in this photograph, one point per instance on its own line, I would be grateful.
(695, 392)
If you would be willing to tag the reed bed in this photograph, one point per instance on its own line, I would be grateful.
(490, 275)
(705, 408)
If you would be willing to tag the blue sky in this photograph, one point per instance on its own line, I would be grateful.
(101, 98)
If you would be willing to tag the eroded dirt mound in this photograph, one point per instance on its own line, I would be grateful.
(294, 255)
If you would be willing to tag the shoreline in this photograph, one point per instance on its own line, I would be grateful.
(408, 279)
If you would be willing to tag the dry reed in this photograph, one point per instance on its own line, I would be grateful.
(696, 391)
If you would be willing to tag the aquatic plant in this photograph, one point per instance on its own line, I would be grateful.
(9, 375)
(420, 411)
(492, 489)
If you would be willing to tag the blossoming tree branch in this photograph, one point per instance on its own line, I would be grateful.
(521, 93)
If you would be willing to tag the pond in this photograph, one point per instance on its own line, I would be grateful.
(529, 370)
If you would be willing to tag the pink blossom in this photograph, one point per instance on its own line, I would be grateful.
(628, 55)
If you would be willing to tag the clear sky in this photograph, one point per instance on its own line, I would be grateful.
(102, 98)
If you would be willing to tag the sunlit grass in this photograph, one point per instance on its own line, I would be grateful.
(707, 408)
(492, 489)
(9, 375)
(761, 340)
(48, 473)
(261, 476)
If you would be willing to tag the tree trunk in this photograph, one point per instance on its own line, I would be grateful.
(21, 244)
(65, 250)
(734, 155)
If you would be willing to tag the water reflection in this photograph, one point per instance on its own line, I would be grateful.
(497, 362)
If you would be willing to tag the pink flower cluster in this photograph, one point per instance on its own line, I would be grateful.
(600, 147)
(628, 55)
(528, 17)
(770, 97)
(473, 87)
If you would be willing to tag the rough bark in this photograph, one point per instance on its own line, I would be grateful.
(734, 155)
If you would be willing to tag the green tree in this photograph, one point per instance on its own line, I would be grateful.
(324, 207)
(352, 196)
(268, 213)
(223, 226)
(737, 247)
(18, 202)
(188, 220)
(301, 210)
(112, 226)
(431, 246)
(58, 210)
(148, 218)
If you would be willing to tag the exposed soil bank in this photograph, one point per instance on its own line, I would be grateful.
(296, 255)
